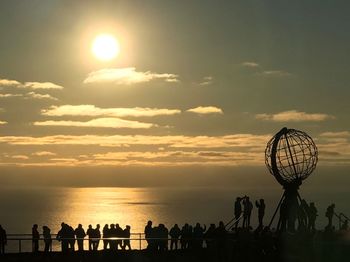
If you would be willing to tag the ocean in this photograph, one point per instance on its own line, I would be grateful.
(21, 207)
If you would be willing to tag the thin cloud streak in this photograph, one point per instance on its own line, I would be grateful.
(99, 122)
(294, 116)
(29, 85)
(127, 76)
(203, 110)
(91, 110)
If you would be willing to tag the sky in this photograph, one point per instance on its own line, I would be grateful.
(197, 91)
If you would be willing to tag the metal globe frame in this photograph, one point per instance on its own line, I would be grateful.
(290, 156)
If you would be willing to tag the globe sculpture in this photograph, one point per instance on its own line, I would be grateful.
(290, 156)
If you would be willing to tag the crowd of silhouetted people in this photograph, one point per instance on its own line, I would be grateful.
(238, 234)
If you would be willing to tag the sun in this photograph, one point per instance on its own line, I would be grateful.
(105, 47)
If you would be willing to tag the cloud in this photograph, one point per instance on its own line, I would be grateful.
(3, 122)
(40, 96)
(127, 76)
(29, 85)
(342, 134)
(10, 95)
(293, 116)
(99, 122)
(43, 153)
(91, 110)
(42, 85)
(206, 110)
(9, 83)
(207, 80)
(250, 64)
(274, 73)
(22, 157)
(227, 141)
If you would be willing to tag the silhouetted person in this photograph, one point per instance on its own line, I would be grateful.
(3, 240)
(175, 233)
(220, 235)
(345, 225)
(247, 212)
(119, 234)
(126, 235)
(303, 214)
(71, 237)
(96, 237)
(209, 236)
(47, 238)
(312, 216)
(237, 210)
(112, 234)
(148, 234)
(186, 235)
(198, 236)
(62, 236)
(162, 237)
(35, 238)
(105, 234)
(80, 234)
(330, 214)
(261, 211)
(90, 234)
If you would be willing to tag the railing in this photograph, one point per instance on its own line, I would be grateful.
(24, 241)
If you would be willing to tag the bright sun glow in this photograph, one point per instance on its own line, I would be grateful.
(105, 47)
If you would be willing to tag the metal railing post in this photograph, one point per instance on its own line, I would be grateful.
(140, 241)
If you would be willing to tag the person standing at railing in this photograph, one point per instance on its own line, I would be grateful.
(96, 236)
(237, 210)
(119, 234)
(126, 235)
(247, 212)
(62, 236)
(35, 238)
(148, 234)
(113, 242)
(79, 232)
(330, 214)
(105, 234)
(261, 211)
(3, 240)
(198, 236)
(47, 238)
(90, 233)
(312, 214)
(175, 233)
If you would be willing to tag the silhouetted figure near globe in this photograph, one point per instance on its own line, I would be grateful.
(3, 240)
(291, 156)
(261, 211)
(209, 236)
(312, 215)
(247, 211)
(330, 214)
(47, 238)
(71, 237)
(35, 238)
(79, 232)
(237, 211)
(175, 233)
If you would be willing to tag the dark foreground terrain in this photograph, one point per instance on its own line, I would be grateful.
(326, 252)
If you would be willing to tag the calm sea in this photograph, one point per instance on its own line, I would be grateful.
(21, 207)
